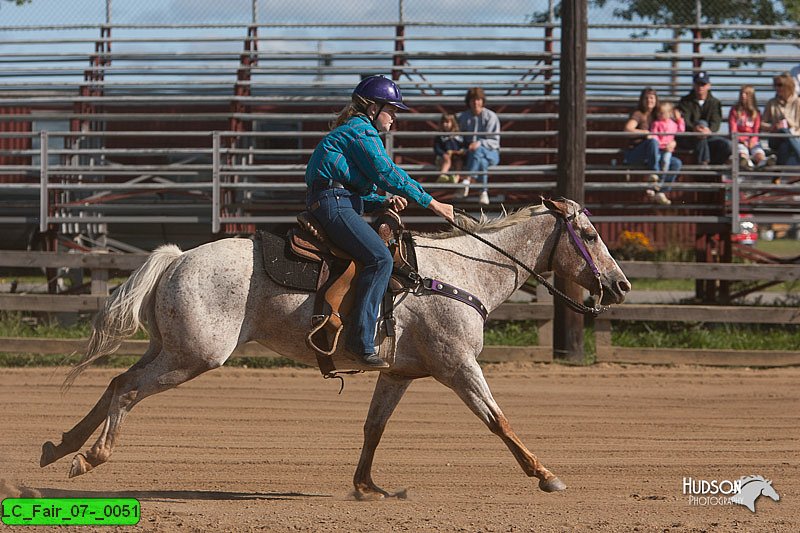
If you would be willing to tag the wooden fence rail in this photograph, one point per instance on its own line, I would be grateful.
(100, 264)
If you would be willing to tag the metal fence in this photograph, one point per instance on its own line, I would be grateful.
(215, 106)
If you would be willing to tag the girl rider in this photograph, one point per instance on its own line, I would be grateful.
(343, 176)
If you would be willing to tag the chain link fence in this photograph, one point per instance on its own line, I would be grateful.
(602, 12)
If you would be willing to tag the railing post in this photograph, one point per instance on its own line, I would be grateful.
(548, 48)
(735, 223)
(44, 196)
(215, 181)
(390, 144)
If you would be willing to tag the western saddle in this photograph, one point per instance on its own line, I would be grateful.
(335, 292)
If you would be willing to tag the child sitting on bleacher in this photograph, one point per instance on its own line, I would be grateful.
(668, 122)
(449, 149)
(744, 117)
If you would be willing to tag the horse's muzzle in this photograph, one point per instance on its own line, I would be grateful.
(614, 291)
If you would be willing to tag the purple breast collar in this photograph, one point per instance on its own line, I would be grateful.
(451, 291)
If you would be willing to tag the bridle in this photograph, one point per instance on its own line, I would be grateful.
(567, 220)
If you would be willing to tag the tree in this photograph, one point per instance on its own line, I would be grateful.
(740, 17)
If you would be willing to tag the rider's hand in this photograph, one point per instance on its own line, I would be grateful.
(398, 203)
(443, 210)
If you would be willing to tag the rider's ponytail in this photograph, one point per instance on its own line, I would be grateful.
(358, 106)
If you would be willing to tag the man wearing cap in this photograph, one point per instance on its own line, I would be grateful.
(703, 114)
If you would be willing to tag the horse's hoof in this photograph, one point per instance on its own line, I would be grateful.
(48, 454)
(552, 485)
(369, 496)
(79, 466)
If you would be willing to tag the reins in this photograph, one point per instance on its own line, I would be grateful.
(578, 307)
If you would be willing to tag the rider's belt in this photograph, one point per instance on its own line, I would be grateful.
(324, 185)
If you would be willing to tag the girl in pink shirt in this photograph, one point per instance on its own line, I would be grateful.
(668, 122)
(745, 118)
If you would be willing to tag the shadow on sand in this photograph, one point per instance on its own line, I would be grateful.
(175, 495)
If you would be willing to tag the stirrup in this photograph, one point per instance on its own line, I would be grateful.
(334, 344)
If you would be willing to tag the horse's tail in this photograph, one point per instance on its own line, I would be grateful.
(126, 310)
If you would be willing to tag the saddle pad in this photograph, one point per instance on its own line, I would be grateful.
(283, 267)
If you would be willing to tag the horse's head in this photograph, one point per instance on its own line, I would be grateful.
(769, 491)
(581, 255)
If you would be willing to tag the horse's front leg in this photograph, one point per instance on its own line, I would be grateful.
(470, 385)
(387, 394)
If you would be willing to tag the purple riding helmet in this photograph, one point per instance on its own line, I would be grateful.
(381, 91)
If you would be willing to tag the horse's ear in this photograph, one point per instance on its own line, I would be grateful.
(553, 205)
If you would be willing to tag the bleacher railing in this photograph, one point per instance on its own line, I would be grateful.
(62, 97)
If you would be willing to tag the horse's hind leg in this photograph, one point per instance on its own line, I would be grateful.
(72, 440)
(470, 385)
(388, 392)
(164, 372)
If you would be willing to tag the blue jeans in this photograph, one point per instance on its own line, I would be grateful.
(481, 159)
(787, 148)
(645, 153)
(339, 213)
(674, 168)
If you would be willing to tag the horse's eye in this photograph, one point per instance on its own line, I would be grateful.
(590, 237)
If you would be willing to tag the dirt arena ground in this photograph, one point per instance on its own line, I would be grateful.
(275, 450)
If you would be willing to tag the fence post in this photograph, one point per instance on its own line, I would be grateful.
(602, 339)
(44, 207)
(545, 327)
(99, 282)
(735, 227)
(568, 325)
(215, 184)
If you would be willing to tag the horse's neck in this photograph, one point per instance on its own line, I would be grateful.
(489, 274)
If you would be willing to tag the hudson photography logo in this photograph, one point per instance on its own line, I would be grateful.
(743, 491)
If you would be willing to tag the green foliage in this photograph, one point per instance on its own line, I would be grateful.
(706, 335)
(15, 324)
(719, 12)
(683, 13)
(523, 333)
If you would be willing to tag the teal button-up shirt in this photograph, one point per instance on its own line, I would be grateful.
(353, 154)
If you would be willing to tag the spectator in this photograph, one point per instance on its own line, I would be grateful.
(449, 149)
(782, 115)
(744, 117)
(703, 114)
(668, 122)
(343, 176)
(481, 129)
(643, 148)
(795, 73)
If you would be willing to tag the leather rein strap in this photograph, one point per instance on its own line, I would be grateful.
(578, 307)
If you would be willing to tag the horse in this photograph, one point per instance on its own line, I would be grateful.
(751, 488)
(199, 305)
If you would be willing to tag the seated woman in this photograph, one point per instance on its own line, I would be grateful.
(643, 147)
(448, 149)
(782, 115)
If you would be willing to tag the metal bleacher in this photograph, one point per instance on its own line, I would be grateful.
(205, 129)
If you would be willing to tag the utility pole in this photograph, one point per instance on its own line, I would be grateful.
(568, 325)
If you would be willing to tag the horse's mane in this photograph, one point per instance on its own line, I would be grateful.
(485, 224)
(748, 479)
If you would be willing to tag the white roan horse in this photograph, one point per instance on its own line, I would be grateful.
(199, 305)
